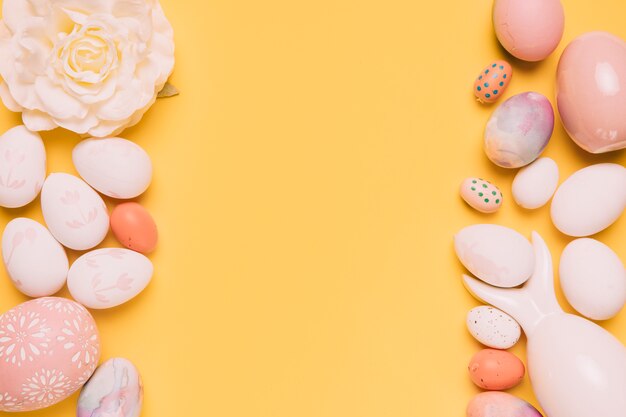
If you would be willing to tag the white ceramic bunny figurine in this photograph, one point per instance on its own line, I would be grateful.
(577, 369)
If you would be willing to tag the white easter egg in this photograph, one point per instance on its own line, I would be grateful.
(590, 200)
(496, 254)
(593, 279)
(492, 327)
(36, 263)
(106, 278)
(75, 214)
(116, 167)
(535, 184)
(22, 166)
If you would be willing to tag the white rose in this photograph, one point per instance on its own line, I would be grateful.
(90, 66)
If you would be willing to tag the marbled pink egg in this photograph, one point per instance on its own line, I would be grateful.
(519, 130)
(500, 404)
(49, 347)
(481, 195)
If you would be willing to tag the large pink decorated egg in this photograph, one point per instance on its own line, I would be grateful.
(590, 91)
(49, 347)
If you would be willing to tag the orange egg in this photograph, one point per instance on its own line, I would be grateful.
(496, 370)
(134, 228)
(492, 81)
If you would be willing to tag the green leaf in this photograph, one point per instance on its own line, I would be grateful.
(168, 91)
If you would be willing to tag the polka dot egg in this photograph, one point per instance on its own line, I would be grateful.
(481, 195)
(492, 81)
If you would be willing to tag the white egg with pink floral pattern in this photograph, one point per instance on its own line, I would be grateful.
(75, 214)
(49, 348)
(106, 278)
(22, 166)
(36, 263)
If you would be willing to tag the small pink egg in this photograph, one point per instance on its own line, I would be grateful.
(500, 404)
(529, 29)
(496, 370)
(481, 195)
(492, 81)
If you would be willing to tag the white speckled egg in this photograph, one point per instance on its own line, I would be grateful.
(593, 279)
(493, 327)
(495, 254)
(106, 278)
(481, 195)
(590, 200)
(116, 167)
(22, 166)
(75, 214)
(535, 184)
(36, 263)
(519, 130)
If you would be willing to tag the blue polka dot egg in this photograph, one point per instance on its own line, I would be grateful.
(492, 81)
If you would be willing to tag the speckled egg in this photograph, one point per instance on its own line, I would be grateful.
(529, 29)
(519, 130)
(493, 327)
(49, 347)
(500, 404)
(496, 370)
(493, 81)
(535, 184)
(481, 195)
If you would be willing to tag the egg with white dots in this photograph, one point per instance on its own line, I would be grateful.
(493, 328)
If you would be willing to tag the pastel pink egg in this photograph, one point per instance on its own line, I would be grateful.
(481, 195)
(49, 347)
(496, 370)
(591, 97)
(529, 29)
(492, 81)
(500, 404)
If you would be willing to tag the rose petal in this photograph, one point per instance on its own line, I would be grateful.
(8, 99)
(36, 120)
(57, 102)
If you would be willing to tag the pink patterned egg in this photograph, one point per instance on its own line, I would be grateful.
(49, 347)
(492, 81)
(500, 404)
(481, 195)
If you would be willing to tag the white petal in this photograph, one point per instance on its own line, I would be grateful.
(36, 120)
(8, 99)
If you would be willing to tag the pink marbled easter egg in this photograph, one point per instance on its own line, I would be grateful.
(500, 404)
(49, 347)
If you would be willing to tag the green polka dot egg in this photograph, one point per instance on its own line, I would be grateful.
(492, 81)
(481, 195)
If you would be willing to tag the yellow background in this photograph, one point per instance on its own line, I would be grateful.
(305, 190)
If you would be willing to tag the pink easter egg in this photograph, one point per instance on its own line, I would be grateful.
(529, 29)
(590, 96)
(49, 347)
(492, 81)
(481, 195)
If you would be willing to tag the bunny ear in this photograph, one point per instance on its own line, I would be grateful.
(530, 303)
